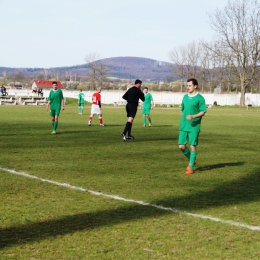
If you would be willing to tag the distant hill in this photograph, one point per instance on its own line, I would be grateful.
(121, 67)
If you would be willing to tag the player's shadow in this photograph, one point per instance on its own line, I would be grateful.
(219, 165)
(235, 192)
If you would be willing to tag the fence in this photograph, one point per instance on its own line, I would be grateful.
(161, 98)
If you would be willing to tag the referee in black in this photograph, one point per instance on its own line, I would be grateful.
(132, 97)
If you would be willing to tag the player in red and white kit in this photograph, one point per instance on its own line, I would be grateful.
(96, 107)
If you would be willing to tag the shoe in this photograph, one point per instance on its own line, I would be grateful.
(102, 125)
(144, 125)
(123, 137)
(130, 137)
(150, 124)
(189, 170)
(89, 124)
(53, 132)
(189, 165)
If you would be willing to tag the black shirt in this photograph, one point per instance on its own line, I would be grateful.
(133, 95)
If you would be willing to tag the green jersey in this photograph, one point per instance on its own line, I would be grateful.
(55, 96)
(147, 100)
(81, 97)
(192, 105)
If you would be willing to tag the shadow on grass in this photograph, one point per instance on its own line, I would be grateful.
(219, 165)
(243, 190)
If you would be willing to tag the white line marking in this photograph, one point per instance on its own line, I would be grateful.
(115, 197)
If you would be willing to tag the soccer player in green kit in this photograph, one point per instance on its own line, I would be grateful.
(193, 108)
(146, 107)
(81, 102)
(56, 103)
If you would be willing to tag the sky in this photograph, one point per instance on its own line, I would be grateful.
(55, 33)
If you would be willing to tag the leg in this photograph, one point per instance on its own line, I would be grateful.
(193, 154)
(149, 119)
(90, 119)
(55, 124)
(100, 119)
(128, 126)
(185, 150)
(144, 120)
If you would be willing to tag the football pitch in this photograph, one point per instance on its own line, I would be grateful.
(86, 194)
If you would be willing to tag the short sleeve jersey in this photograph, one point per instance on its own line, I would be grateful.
(55, 96)
(95, 98)
(147, 100)
(81, 97)
(192, 105)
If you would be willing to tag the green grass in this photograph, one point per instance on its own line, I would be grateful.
(40, 220)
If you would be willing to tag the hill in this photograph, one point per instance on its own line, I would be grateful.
(121, 67)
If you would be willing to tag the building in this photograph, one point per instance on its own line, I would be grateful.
(44, 84)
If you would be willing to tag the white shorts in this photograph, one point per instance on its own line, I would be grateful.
(95, 109)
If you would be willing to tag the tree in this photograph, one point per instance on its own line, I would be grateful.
(98, 69)
(238, 32)
(186, 58)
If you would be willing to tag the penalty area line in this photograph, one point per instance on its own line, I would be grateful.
(115, 197)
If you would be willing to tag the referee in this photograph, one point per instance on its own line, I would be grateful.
(132, 97)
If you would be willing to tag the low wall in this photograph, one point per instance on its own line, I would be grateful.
(164, 98)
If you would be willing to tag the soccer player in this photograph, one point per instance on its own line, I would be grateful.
(96, 107)
(146, 107)
(132, 97)
(81, 102)
(193, 108)
(56, 103)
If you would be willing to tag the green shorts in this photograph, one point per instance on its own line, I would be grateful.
(55, 112)
(81, 104)
(146, 110)
(192, 136)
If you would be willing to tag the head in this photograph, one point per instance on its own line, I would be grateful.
(80, 90)
(138, 83)
(54, 85)
(98, 90)
(145, 90)
(192, 85)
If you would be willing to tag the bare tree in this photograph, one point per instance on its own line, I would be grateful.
(186, 58)
(238, 31)
(98, 69)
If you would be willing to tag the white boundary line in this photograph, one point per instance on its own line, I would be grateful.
(115, 197)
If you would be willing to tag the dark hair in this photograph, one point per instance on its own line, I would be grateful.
(54, 82)
(138, 81)
(194, 81)
(145, 88)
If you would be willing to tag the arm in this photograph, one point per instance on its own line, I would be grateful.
(62, 104)
(48, 104)
(200, 114)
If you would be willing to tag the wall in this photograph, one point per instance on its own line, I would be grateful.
(112, 97)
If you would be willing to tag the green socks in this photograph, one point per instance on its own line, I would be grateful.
(144, 120)
(186, 152)
(193, 155)
(150, 120)
(55, 124)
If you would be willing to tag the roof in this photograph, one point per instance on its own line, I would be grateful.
(46, 84)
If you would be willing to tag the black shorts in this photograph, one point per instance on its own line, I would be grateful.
(131, 109)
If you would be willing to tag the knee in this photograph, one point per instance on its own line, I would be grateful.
(182, 147)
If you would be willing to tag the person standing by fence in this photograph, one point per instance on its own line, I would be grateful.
(81, 102)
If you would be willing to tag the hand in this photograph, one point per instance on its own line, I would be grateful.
(189, 117)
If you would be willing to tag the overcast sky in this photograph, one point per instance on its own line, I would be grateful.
(52, 33)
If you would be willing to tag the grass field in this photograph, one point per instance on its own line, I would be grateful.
(95, 197)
